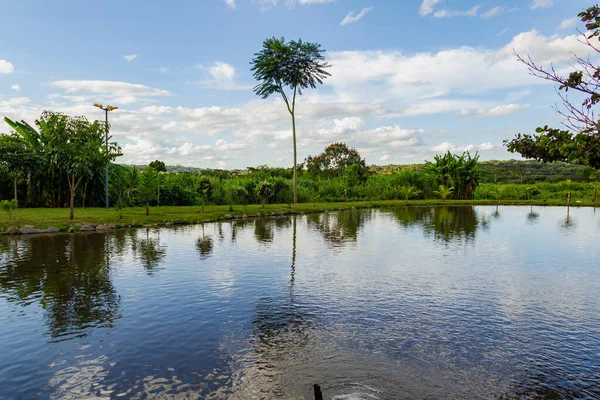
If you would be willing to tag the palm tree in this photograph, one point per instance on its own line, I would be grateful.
(444, 192)
(409, 192)
(132, 179)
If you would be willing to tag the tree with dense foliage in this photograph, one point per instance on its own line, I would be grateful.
(582, 146)
(458, 172)
(204, 188)
(296, 65)
(64, 153)
(235, 194)
(16, 158)
(334, 160)
(159, 167)
(146, 189)
(77, 147)
(264, 191)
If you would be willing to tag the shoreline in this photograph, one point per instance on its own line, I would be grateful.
(29, 221)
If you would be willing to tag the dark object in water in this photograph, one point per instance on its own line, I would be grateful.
(318, 394)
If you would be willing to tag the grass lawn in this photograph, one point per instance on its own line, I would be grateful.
(59, 217)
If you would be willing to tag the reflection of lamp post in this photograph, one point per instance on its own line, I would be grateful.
(106, 110)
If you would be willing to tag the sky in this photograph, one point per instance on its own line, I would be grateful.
(409, 78)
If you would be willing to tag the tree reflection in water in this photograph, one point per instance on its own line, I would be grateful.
(447, 224)
(339, 228)
(264, 228)
(150, 251)
(69, 274)
(204, 245)
(568, 223)
(532, 216)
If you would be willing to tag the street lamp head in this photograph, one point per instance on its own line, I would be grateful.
(98, 105)
(111, 108)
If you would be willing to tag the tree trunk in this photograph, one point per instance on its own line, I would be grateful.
(84, 194)
(295, 157)
(72, 204)
(202, 205)
(147, 208)
(15, 186)
(158, 198)
(72, 200)
(29, 187)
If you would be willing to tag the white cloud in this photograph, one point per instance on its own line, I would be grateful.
(453, 148)
(493, 12)
(305, 2)
(352, 18)
(220, 75)
(568, 23)
(472, 12)
(542, 49)
(427, 7)
(535, 4)
(15, 101)
(163, 70)
(6, 67)
(115, 89)
(501, 110)
(463, 112)
(221, 164)
(130, 57)
(230, 3)
(16, 87)
(385, 157)
(267, 4)
(502, 32)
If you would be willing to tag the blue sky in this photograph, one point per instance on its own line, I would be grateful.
(409, 78)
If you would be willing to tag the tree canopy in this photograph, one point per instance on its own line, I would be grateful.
(334, 160)
(582, 145)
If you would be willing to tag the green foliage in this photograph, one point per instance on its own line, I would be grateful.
(544, 191)
(409, 192)
(458, 172)
(295, 65)
(10, 206)
(204, 188)
(147, 187)
(335, 160)
(444, 192)
(264, 190)
(158, 166)
(120, 206)
(235, 194)
(558, 145)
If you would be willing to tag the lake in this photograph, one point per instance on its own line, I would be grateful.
(406, 303)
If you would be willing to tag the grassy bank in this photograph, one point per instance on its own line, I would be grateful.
(59, 217)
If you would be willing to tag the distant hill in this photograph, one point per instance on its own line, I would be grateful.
(510, 171)
(494, 171)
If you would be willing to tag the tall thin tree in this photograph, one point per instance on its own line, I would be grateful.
(295, 66)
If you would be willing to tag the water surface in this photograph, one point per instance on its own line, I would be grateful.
(408, 303)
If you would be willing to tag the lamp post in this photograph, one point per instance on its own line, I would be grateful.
(106, 110)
